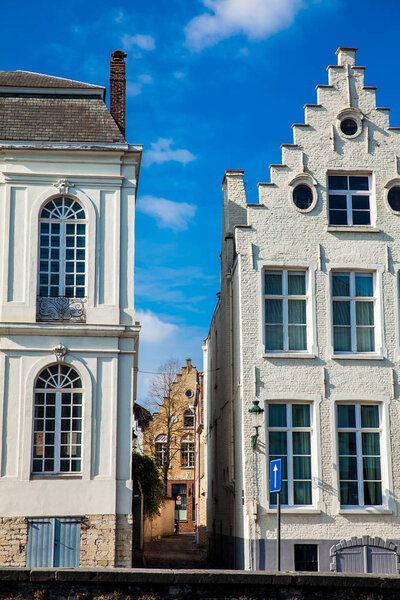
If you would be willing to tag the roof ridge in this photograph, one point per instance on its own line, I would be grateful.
(47, 77)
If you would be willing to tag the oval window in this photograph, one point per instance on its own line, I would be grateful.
(394, 198)
(302, 196)
(348, 126)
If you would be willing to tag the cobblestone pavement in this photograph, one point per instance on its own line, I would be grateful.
(175, 552)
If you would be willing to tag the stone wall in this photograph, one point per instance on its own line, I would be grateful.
(12, 541)
(98, 543)
(188, 585)
(124, 540)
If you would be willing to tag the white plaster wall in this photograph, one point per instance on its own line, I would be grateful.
(103, 350)
(276, 233)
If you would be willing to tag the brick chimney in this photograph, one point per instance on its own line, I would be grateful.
(117, 88)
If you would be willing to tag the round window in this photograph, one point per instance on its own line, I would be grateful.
(349, 126)
(189, 393)
(302, 196)
(393, 198)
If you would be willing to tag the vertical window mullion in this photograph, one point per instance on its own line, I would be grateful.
(57, 433)
(285, 324)
(289, 435)
(63, 254)
(349, 208)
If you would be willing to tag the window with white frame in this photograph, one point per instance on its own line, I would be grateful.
(349, 198)
(62, 231)
(160, 449)
(57, 421)
(289, 438)
(353, 310)
(359, 442)
(285, 305)
(187, 452)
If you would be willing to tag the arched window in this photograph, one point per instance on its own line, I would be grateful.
(188, 419)
(57, 421)
(62, 231)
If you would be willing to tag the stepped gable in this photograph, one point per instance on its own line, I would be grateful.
(46, 109)
(320, 138)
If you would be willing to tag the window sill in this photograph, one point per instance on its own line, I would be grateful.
(352, 229)
(357, 356)
(288, 510)
(371, 510)
(288, 355)
(187, 468)
(43, 476)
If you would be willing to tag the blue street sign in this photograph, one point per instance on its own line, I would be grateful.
(275, 475)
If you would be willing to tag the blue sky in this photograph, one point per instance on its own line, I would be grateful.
(212, 85)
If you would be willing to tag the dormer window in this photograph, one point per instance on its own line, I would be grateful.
(349, 199)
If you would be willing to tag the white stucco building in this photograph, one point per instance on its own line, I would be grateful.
(68, 335)
(307, 326)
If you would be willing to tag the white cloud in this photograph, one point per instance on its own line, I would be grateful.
(179, 75)
(144, 42)
(168, 214)
(161, 152)
(134, 88)
(256, 19)
(145, 78)
(154, 330)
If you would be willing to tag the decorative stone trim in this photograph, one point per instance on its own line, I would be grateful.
(365, 540)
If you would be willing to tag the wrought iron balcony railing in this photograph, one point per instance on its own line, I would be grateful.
(61, 308)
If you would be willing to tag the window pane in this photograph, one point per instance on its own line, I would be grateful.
(346, 415)
(340, 284)
(342, 339)
(337, 182)
(302, 492)
(273, 283)
(277, 415)
(274, 337)
(297, 337)
(370, 444)
(364, 313)
(372, 493)
(364, 284)
(273, 311)
(337, 202)
(372, 468)
(370, 416)
(302, 467)
(347, 443)
(338, 217)
(348, 493)
(306, 557)
(341, 312)
(300, 415)
(358, 182)
(296, 284)
(365, 339)
(360, 202)
(348, 467)
(301, 442)
(361, 217)
(277, 443)
(297, 311)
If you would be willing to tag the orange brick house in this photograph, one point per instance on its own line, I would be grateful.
(170, 439)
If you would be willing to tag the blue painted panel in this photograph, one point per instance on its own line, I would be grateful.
(275, 473)
(40, 545)
(67, 542)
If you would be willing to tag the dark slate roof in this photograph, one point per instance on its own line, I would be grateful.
(37, 80)
(38, 115)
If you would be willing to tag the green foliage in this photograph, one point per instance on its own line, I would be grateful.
(146, 472)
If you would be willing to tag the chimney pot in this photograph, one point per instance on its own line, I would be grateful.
(117, 88)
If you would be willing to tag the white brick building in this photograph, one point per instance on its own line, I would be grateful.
(307, 325)
(68, 336)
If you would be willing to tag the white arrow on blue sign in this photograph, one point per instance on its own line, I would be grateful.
(275, 475)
